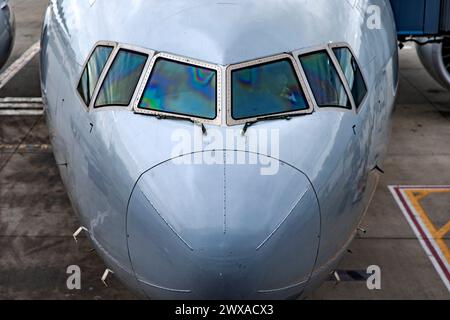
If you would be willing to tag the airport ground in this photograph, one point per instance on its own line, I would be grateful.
(37, 221)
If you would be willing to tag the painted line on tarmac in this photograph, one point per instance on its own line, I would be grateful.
(21, 107)
(25, 148)
(431, 238)
(18, 65)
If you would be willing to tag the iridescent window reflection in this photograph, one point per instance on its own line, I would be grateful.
(266, 89)
(122, 79)
(178, 88)
(324, 80)
(352, 73)
(92, 72)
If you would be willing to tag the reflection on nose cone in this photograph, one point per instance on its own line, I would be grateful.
(223, 231)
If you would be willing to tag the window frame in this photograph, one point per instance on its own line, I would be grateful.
(337, 66)
(193, 62)
(110, 44)
(112, 58)
(337, 45)
(231, 121)
(224, 82)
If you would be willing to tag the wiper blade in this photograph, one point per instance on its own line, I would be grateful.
(335, 106)
(278, 117)
(167, 117)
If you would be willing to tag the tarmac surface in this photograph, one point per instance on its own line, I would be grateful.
(37, 220)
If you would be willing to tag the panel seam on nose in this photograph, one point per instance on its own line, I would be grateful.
(167, 222)
(224, 192)
(284, 220)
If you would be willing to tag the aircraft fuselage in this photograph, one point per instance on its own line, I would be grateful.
(195, 223)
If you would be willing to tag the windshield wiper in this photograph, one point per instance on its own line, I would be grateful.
(287, 117)
(335, 106)
(166, 117)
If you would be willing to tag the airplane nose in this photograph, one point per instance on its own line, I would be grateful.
(223, 230)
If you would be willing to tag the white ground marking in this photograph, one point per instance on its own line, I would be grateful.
(427, 241)
(20, 100)
(21, 107)
(17, 65)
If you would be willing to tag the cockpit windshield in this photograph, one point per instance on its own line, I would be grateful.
(122, 79)
(352, 73)
(266, 89)
(92, 71)
(181, 89)
(324, 80)
(169, 86)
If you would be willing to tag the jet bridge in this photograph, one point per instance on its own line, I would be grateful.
(419, 18)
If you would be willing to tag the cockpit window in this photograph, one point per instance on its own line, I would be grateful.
(352, 73)
(122, 79)
(182, 89)
(266, 89)
(92, 72)
(324, 80)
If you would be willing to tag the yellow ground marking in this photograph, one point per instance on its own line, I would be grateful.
(416, 196)
(444, 230)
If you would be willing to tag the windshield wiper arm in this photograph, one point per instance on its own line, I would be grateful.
(287, 117)
(166, 117)
(335, 106)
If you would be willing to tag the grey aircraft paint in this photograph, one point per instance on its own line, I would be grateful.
(219, 231)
